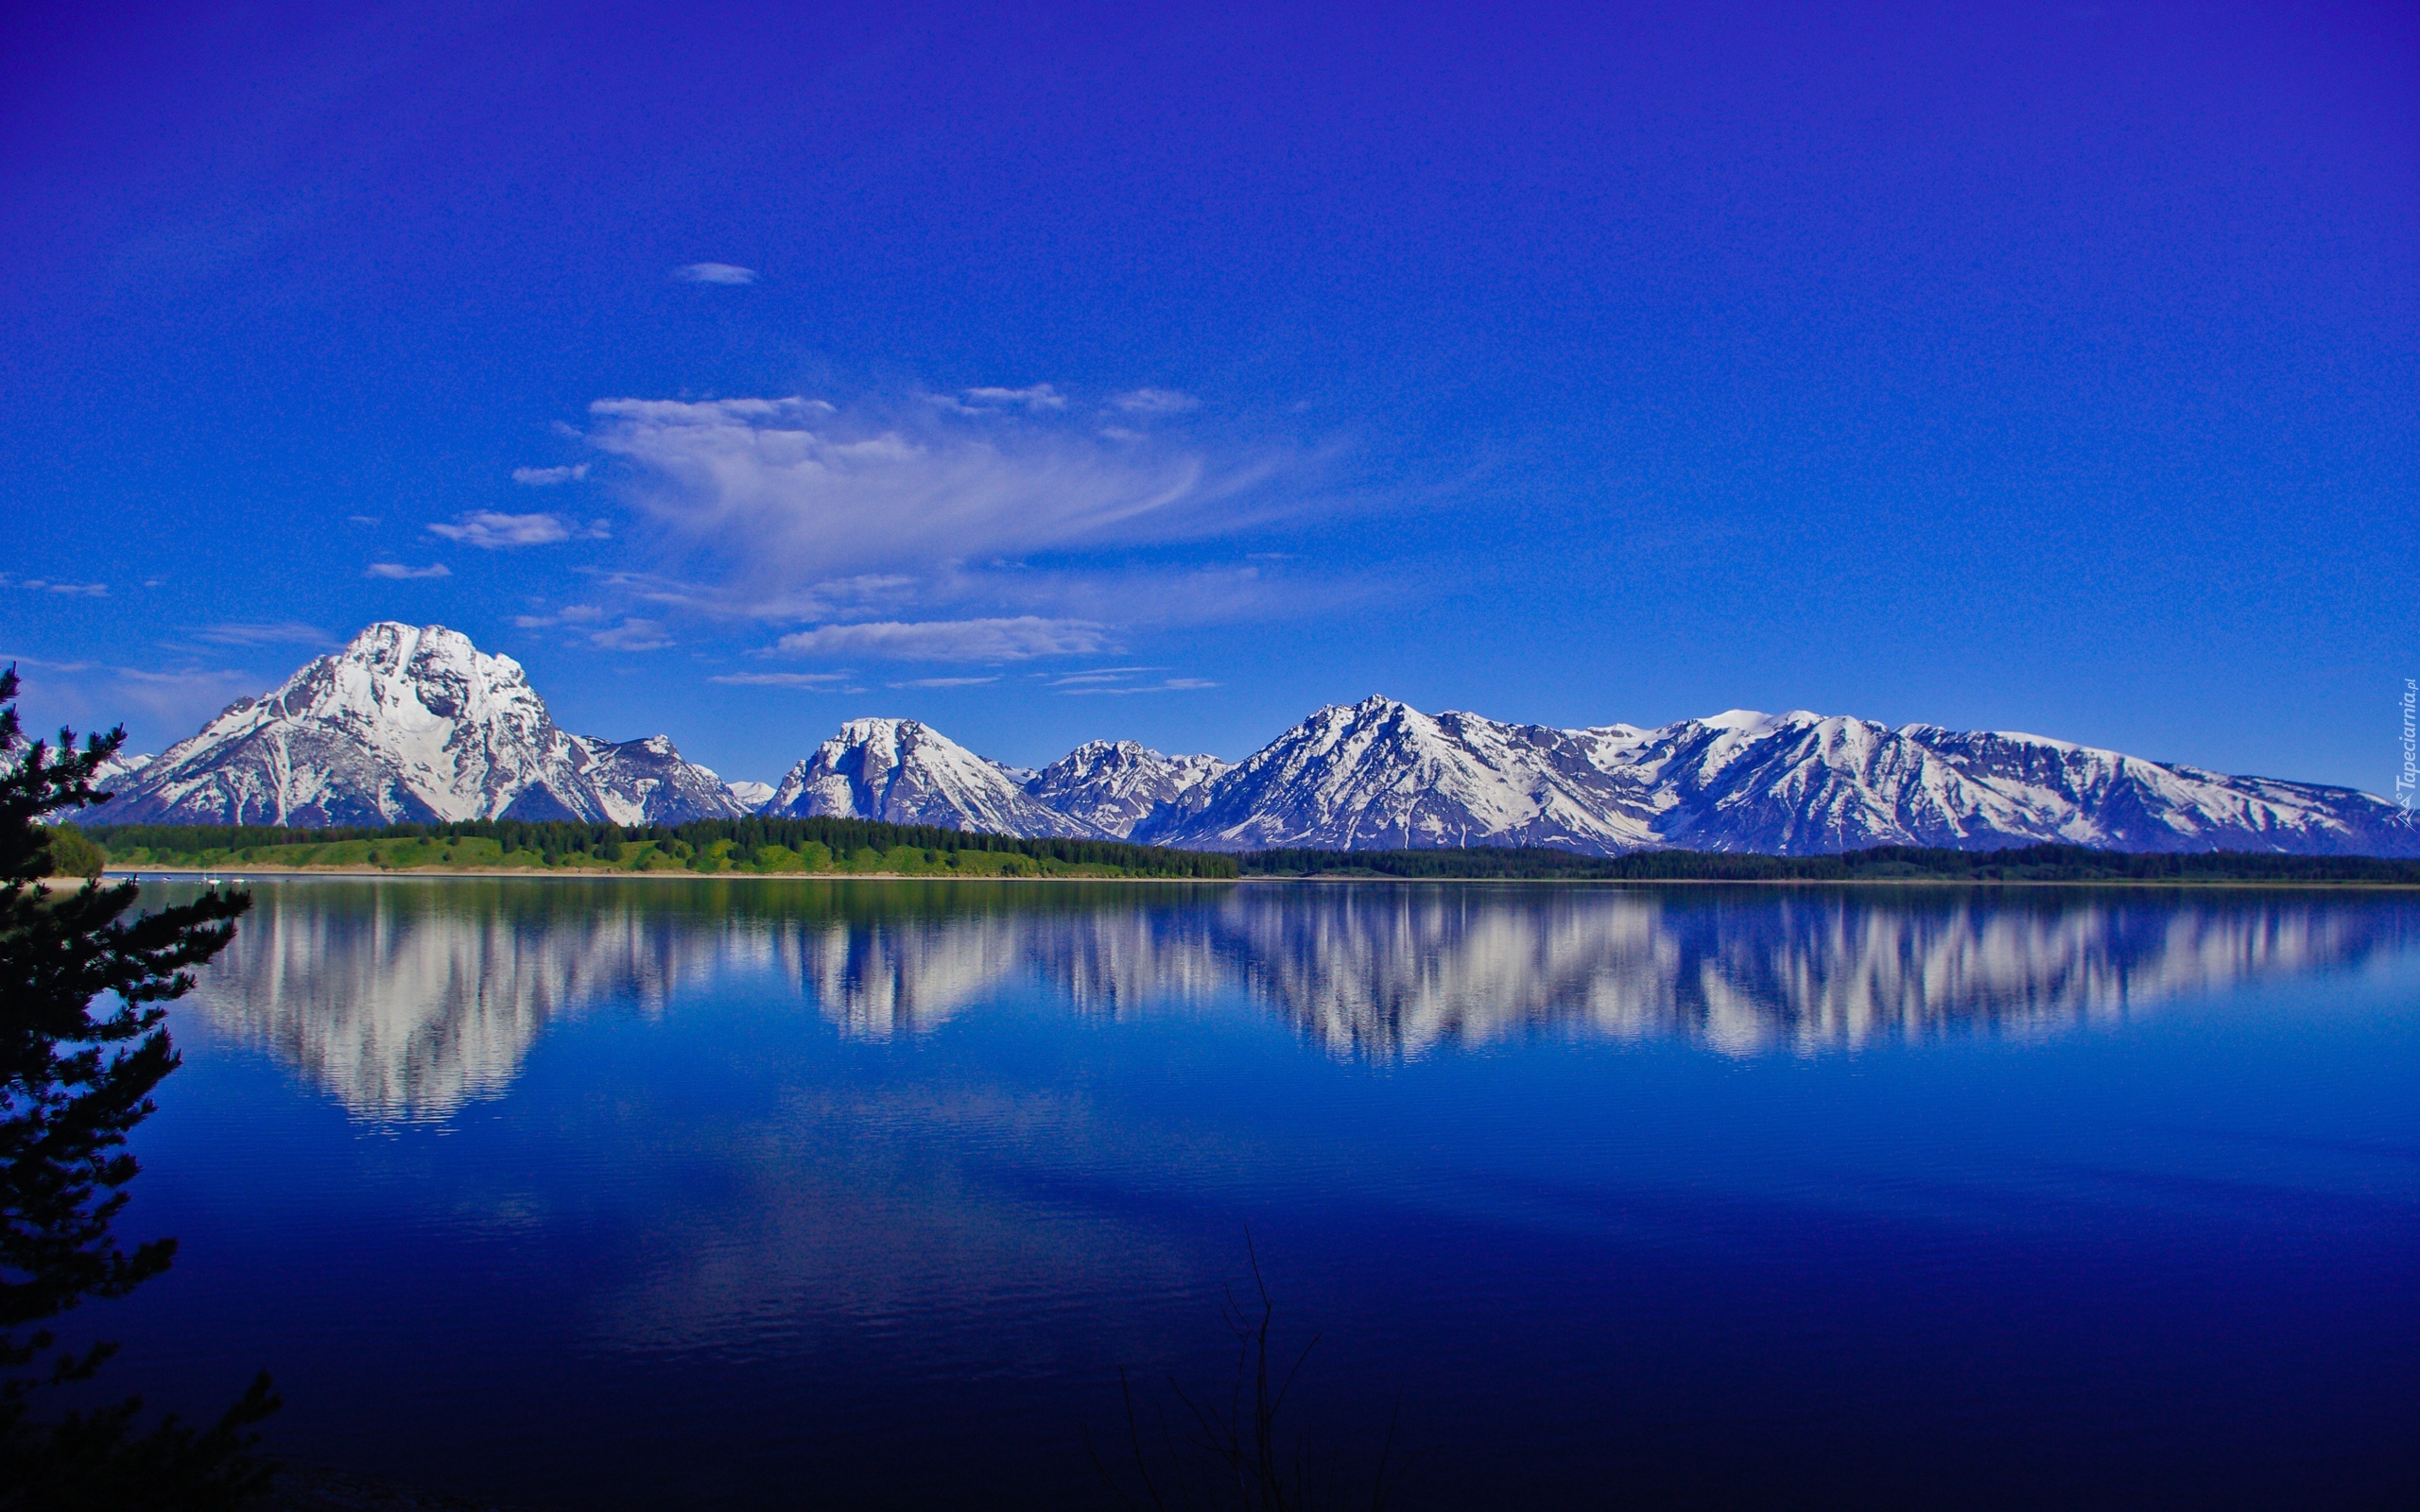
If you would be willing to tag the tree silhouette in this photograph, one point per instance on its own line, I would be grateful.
(73, 1082)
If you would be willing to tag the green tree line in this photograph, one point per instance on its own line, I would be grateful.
(704, 844)
(834, 843)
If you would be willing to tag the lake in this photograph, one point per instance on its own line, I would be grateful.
(762, 1193)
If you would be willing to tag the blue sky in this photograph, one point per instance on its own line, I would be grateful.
(1049, 372)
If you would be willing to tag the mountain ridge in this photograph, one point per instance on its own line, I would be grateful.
(411, 723)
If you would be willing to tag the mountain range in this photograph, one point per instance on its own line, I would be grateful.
(415, 723)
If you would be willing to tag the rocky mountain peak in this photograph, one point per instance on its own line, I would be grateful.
(901, 771)
(1123, 787)
(411, 723)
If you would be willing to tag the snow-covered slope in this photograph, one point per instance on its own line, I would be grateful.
(411, 723)
(120, 771)
(1117, 786)
(1380, 775)
(645, 782)
(901, 771)
(750, 795)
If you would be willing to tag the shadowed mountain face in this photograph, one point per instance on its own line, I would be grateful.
(408, 1000)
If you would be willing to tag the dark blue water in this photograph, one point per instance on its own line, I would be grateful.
(758, 1193)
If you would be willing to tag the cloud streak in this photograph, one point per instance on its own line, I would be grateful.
(568, 614)
(793, 493)
(631, 635)
(287, 632)
(729, 273)
(1156, 402)
(547, 477)
(1036, 398)
(397, 570)
(489, 531)
(1120, 681)
(1017, 639)
(46, 585)
(1170, 685)
(814, 681)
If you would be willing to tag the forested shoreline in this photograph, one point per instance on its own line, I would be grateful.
(764, 847)
(769, 846)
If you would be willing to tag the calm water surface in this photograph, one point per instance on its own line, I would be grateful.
(766, 1193)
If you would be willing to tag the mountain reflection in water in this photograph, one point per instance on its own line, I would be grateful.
(407, 999)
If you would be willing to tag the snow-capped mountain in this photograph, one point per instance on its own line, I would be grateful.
(411, 723)
(902, 772)
(1116, 786)
(1802, 783)
(1380, 774)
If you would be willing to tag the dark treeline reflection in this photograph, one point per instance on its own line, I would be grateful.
(408, 998)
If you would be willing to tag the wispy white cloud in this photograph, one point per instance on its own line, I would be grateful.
(492, 531)
(397, 570)
(182, 699)
(160, 706)
(819, 681)
(1121, 681)
(48, 585)
(1166, 685)
(361, 519)
(1037, 398)
(631, 635)
(1018, 639)
(547, 477)
(840, 598)
(287, 632)
(1098, 674)
(715, 273)
(793, 494)
(945, 683)
(1156, 402)
(568, 614)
